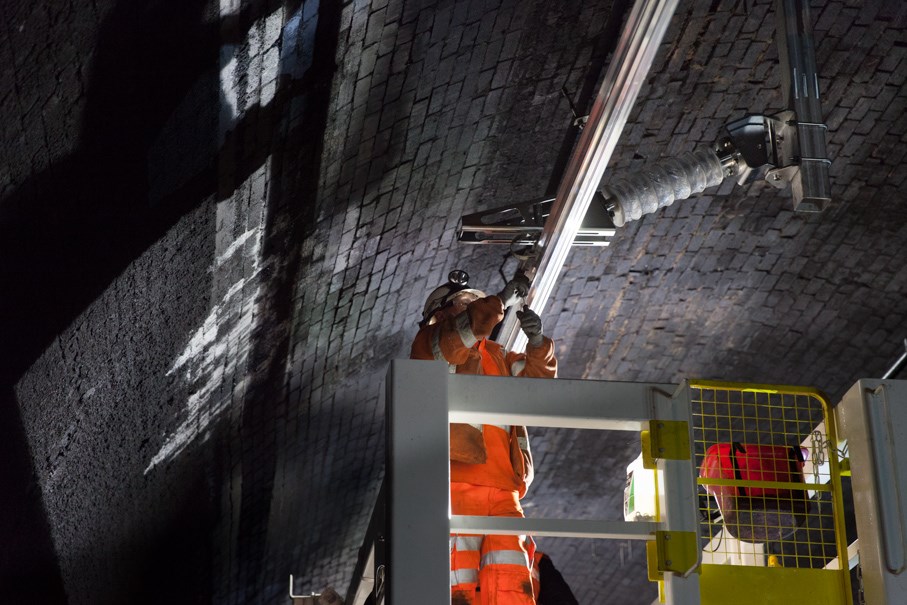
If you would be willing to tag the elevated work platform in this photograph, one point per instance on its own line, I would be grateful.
(766, 520)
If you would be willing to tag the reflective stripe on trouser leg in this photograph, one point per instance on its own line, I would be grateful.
(504, 572)
(462, 543)
(464, 568)
(535, 559)
(463, 576)
(536, 587)
(531, 550)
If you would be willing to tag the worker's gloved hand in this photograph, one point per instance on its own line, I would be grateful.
(531, 324)
(516, 289)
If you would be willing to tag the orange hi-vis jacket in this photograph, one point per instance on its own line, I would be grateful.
(462, 342)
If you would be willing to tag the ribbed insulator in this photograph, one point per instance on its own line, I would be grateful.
(661, 184)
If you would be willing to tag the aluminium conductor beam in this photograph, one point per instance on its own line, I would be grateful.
(632, 59)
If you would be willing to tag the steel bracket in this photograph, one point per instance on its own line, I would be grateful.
(800, 89)
(672, 551)
(521, 224)
(665, 440)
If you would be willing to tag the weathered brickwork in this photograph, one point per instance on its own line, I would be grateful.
(199, 385)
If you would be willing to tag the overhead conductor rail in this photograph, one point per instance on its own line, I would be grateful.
(786, 148)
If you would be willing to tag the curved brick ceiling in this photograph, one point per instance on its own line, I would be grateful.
(220, 222)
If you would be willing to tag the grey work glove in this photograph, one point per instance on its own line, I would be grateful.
(531, 324)
(515, 290)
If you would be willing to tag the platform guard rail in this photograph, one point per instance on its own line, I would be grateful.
(404, 558)
(422, 398)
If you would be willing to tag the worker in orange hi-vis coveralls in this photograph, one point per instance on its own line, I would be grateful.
(490, 465)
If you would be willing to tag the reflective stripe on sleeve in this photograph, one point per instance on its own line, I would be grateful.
(523, 443)
(436, 345)
(517, 367)
(505, 557)
(464, 576)
(464, 329)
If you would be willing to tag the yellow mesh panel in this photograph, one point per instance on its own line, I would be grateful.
(771, 490)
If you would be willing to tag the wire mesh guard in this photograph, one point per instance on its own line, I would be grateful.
(766, 491)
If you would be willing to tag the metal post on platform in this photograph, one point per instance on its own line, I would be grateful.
(872, 416)
(678, 500)
(418, 510)
(423, 398)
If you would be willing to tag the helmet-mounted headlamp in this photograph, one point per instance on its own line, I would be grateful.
(443, 296)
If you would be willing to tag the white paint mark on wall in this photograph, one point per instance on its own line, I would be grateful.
(253, 81)
(228, 8)
(213, 361)
(269, 65)
(260, 52)
(270, 62)
(234, 246)
(230, 107)
(273, 25)
(216, 355)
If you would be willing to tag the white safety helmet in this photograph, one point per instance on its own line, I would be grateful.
(443, 296)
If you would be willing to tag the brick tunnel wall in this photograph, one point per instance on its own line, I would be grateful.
(204, 407)
(224, 217)
(155, 245)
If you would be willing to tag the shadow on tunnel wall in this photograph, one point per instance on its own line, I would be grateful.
(71, 228)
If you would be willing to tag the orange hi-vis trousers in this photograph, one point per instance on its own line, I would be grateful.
(536, 574)
(488, 570)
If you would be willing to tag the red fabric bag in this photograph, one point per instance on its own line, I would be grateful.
(757, 514)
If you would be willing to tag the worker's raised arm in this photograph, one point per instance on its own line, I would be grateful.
(539, 360)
